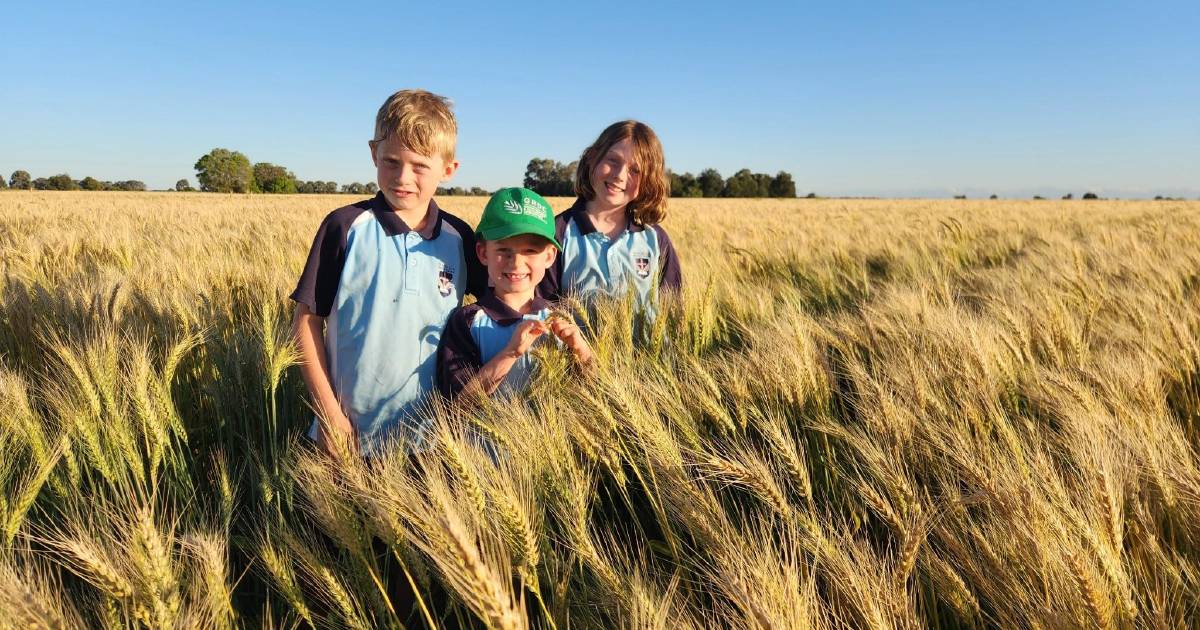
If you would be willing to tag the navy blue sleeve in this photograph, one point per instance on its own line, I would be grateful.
(550, 288)
(318, 283)
(458, 357)
(477, 278)
(672, 276)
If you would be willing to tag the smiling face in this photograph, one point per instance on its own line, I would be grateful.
(407, 179)
(516, 264)
(616, 176)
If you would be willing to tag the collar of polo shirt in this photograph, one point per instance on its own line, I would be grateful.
(578, 212)
(504, 314)
(393, 225)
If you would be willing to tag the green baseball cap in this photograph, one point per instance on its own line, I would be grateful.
(513, 211)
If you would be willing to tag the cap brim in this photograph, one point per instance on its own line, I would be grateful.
(506, 231)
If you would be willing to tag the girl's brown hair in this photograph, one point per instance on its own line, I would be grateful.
(650, 206)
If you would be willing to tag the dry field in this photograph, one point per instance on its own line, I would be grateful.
(861, 414)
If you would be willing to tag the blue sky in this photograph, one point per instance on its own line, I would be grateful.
(852, 98)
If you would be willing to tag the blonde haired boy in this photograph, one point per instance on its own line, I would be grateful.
(381, 278)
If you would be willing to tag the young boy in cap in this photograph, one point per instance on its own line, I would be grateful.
(486, 344)
(381, 277)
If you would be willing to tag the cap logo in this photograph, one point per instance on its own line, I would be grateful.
(529, 208)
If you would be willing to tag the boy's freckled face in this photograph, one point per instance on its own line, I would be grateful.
(407, 179)
(616, 177)
(518, 263)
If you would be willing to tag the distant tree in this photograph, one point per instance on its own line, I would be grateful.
(273, 179)
(354, 189)
(674, 183)
(316, 187)
(20, 180)
(711, 183)
(550, 178)
(1038, 197)
(1090, 195)
(811, 195)
(3, 184)
(41, 183)
(541, 175)
(184, 185)
(127, 185)
(993, 197)
(1068, 196)
(566, 179)
(960, 196)
(684, 185)
(222, 170)
(741, 184)
(91, 183)
(372, 188)
(782, 185)
(62, 181)
(763, 182)
(479, 192)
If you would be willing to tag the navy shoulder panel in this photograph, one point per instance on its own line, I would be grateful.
(476, 271)
(322, 272)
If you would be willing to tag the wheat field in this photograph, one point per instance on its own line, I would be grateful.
(859, 414)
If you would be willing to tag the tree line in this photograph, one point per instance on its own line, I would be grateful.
(553, 178)
(225, 171)
(22, 180)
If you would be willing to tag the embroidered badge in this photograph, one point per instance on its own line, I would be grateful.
(642, 266)
(445, 282)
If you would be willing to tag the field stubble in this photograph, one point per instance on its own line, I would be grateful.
(859, 414)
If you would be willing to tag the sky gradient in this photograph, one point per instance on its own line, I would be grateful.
(855, 99)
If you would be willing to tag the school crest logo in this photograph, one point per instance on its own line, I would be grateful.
(642, 267)
(446, 282)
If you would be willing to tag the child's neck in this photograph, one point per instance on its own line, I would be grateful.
(609, 220)
(416, 219)
(519, 301)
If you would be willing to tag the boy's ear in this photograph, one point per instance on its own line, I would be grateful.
(481, 252)
(451, 169)
(551, 254)
(374, 157)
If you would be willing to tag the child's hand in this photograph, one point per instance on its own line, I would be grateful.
(523, 337)
(566, 330)
(336, 436)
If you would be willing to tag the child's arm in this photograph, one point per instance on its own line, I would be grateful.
(566, 330)
(672, 275)
(492, 374)
(314, 368)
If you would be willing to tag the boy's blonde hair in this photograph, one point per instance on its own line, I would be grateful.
(650, 207)
(422, 121)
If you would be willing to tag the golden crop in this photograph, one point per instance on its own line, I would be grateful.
(863, 413)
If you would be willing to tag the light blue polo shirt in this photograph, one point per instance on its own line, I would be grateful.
(475, 334)
(385, 291)
(641, 259)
